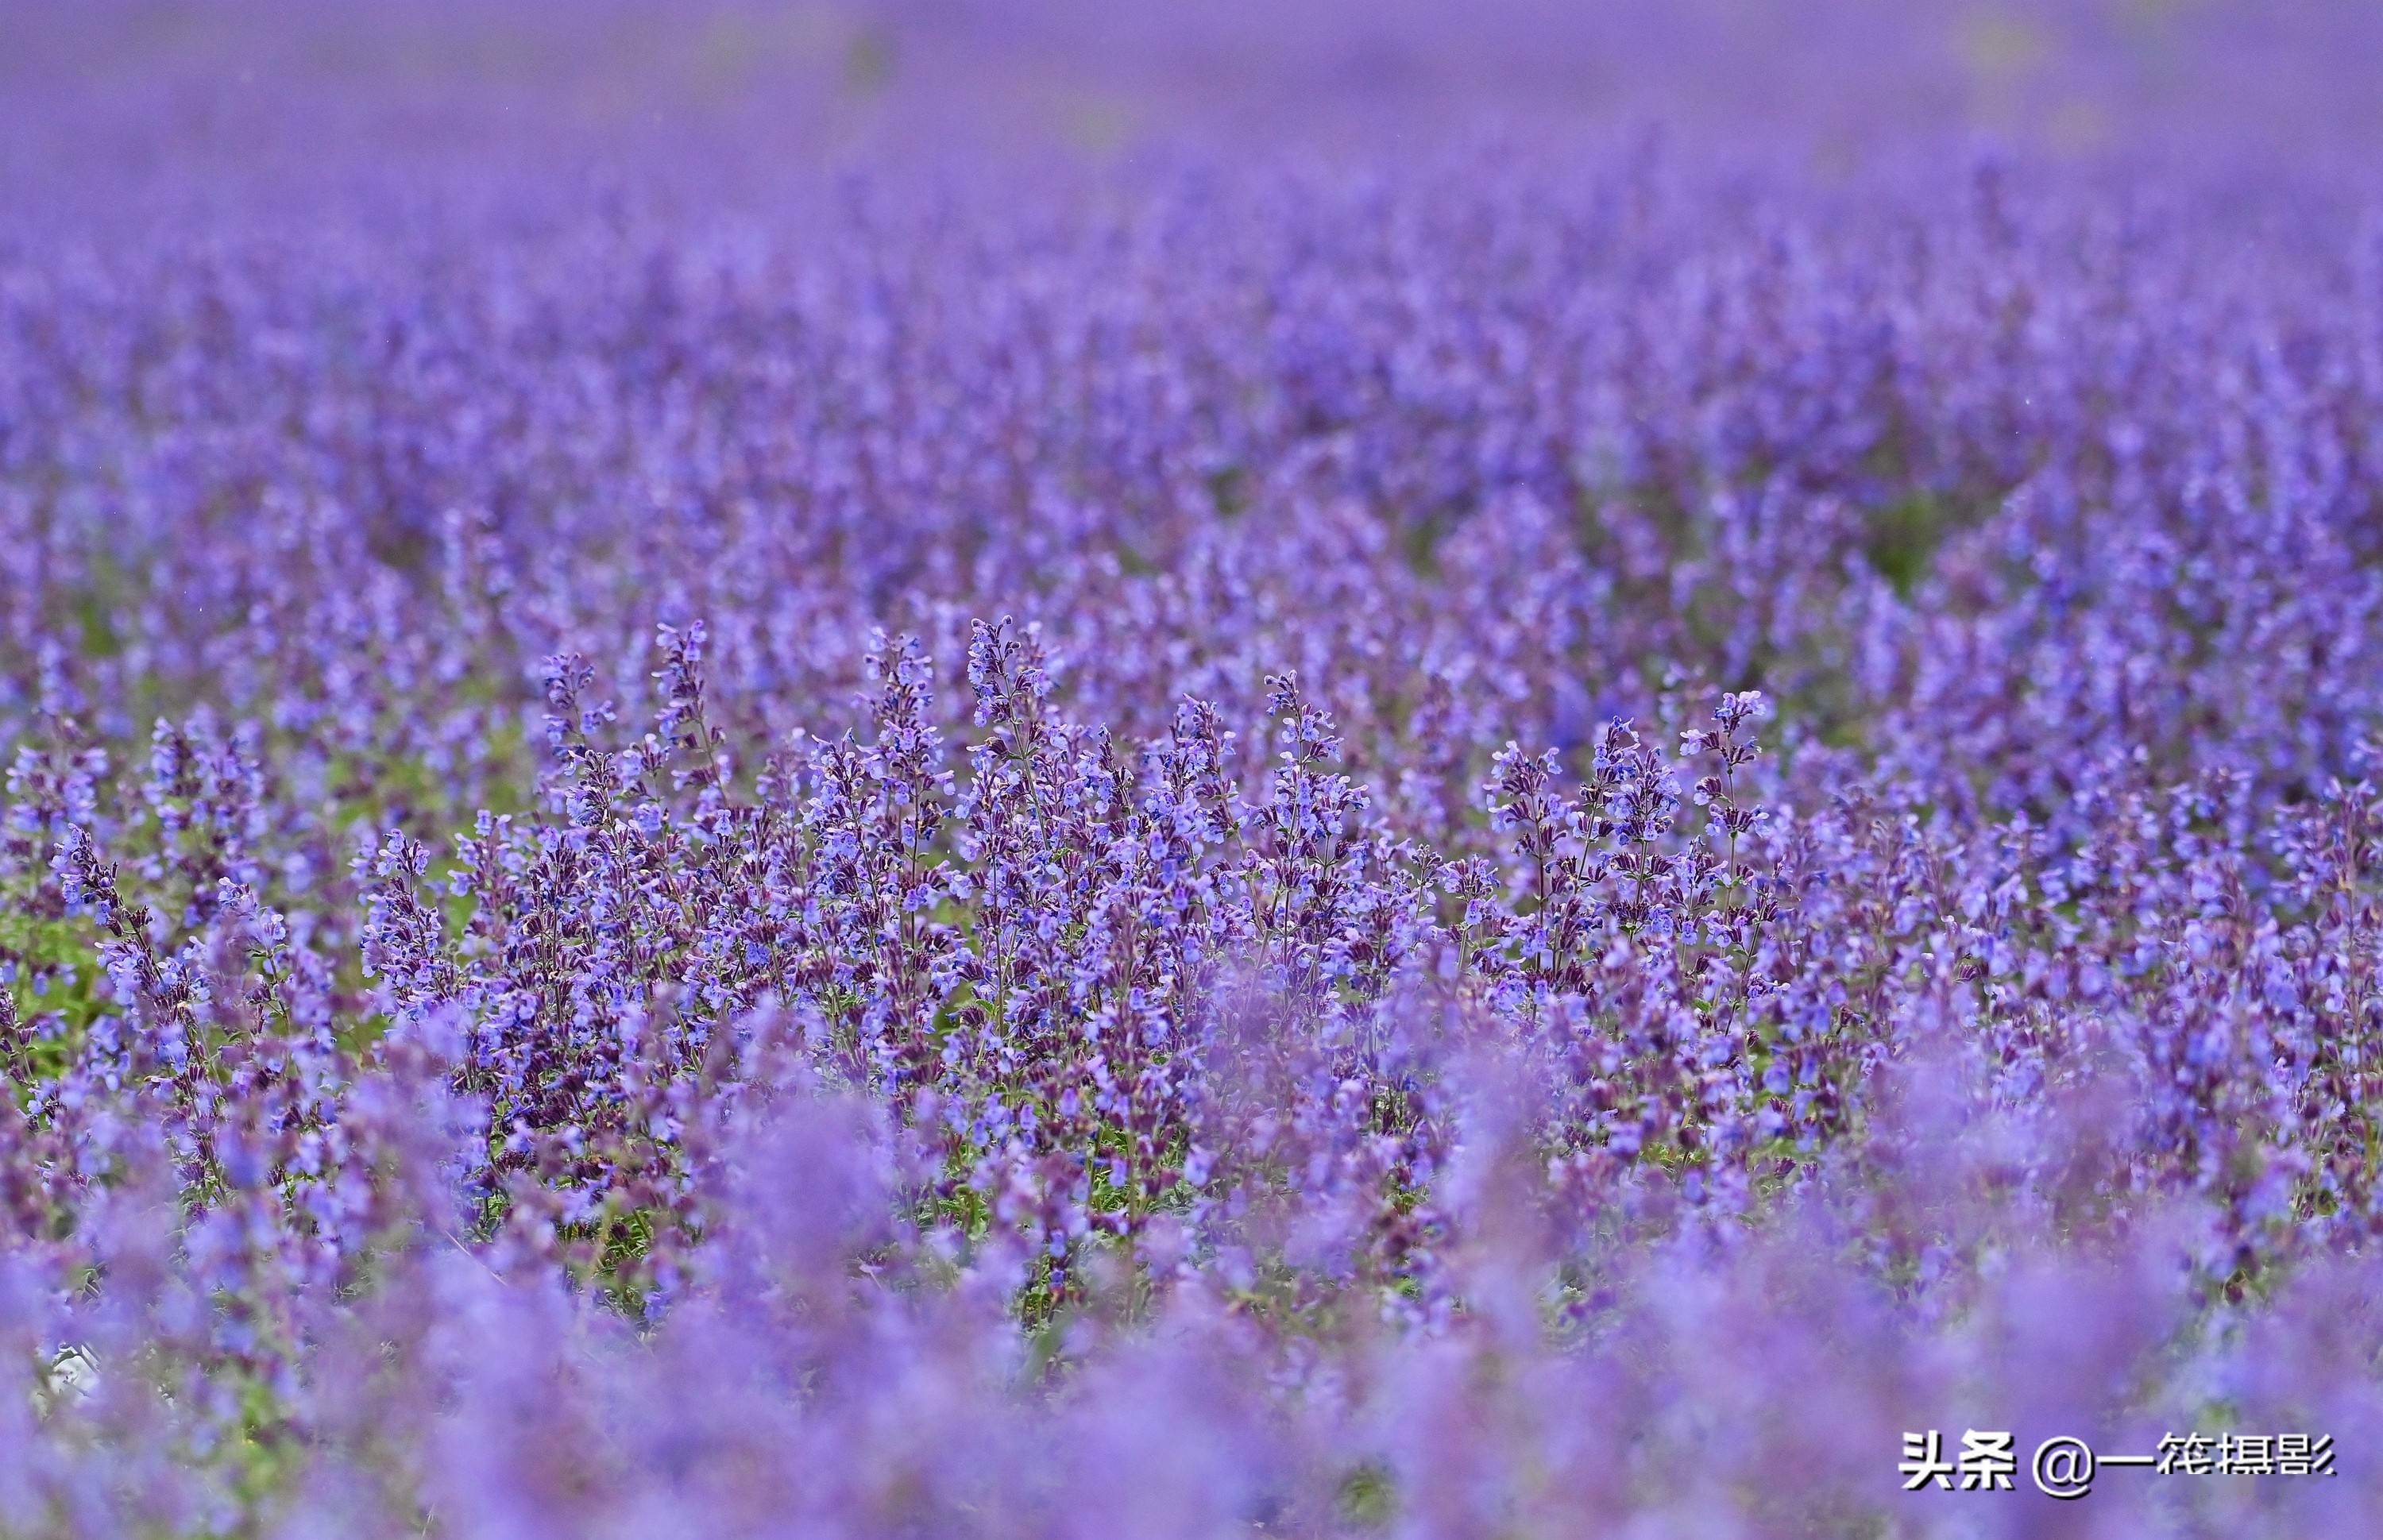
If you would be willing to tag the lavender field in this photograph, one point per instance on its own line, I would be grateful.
(1399, 770)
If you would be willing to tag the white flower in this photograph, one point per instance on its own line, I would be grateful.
(74, 1372)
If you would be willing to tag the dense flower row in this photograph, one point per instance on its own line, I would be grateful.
(1508, 843)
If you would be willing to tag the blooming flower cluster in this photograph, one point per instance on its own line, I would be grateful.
(1534, 838)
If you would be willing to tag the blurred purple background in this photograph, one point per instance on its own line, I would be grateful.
(248, 87)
